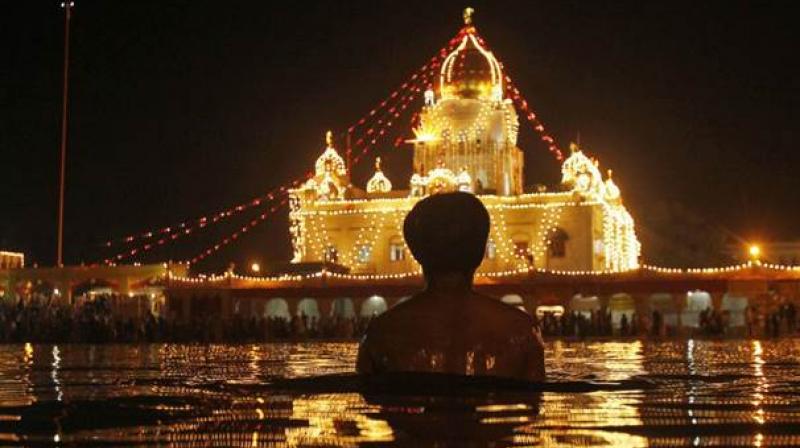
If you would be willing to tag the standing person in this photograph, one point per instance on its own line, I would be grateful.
(448, 327)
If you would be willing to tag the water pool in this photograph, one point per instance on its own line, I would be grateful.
(695, 393)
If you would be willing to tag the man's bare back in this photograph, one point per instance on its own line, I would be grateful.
(477, 335)
(449, 328)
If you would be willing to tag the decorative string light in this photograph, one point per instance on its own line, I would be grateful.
(532, 118)
(517, 272)
(235, 235)
(203, 220)
(184, 228)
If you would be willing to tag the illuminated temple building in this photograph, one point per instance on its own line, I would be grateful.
(466, 140)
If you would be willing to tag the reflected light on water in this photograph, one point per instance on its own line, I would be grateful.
(671, 393)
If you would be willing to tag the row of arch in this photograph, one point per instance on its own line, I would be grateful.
(686, 314)
(621, 304)
(341, 307)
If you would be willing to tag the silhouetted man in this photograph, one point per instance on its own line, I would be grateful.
(448, 327)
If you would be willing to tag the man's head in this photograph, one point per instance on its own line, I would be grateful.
(447, 233)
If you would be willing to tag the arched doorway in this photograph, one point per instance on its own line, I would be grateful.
(308, 307)
(736, 307)
(277, 308)
(621, 304)
(584, 305)
(663, 303)
(373, 306)
(696, 302)
(514, 300)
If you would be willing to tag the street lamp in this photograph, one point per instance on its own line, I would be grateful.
(255, 267)
(755, 252)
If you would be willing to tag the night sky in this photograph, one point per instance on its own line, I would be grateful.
(182, 108)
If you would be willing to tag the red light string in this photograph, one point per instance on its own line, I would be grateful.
(519, 101)
(389, 118)
(395, 104)
(179, 233)
(167, 239)
(235, 235)
(201, 221)
(530, 115)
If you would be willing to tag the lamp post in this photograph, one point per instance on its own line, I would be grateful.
(67, 5)
(755, 252)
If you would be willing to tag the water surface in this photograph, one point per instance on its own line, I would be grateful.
(701, 393)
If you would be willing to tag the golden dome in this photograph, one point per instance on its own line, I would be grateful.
(471, 71)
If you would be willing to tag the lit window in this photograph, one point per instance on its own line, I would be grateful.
(491, 250)
(364, 252)
(331, 254)
(397, 251)
(558, 244)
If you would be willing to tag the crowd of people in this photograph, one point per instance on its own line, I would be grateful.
(710, 322)
(93, 321)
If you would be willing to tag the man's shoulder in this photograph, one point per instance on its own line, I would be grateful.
(496, 306)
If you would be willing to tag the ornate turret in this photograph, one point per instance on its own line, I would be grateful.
(379, 183)
(613, 195)
(581, 174)
(330, 179)
(469, 123)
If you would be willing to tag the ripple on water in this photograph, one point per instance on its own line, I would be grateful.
(709, 393)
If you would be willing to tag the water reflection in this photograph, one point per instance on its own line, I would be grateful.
(697, 392)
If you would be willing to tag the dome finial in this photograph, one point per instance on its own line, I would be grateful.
(468, 12)
(377, 163)
(329, 139)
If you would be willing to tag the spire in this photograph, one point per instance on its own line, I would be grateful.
(329, 139)
(468, 12)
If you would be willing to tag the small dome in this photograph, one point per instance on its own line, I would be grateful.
(441, 180)
(612, 193)
(330, 161)
(379, 183)
(581, 173)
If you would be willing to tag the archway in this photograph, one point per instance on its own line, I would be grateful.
(308, 307)
(584, 305)
(621, 304)
(373, 306)
(278, 308)
(696, 302)
(664, 304)
(514, 300)
(736, 307)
